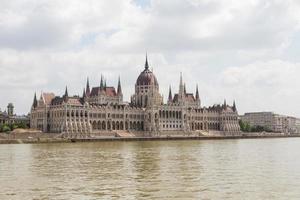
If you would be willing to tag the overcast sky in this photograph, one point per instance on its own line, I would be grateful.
(233, 49)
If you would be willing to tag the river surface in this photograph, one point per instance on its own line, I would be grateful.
(215, 169)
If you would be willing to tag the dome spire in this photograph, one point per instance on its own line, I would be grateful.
(146, 63)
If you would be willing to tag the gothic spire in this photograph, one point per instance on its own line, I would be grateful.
(146, 63)
(234, 106)
(101, 83)
(105, 84)
(34, 101)
(170, 94)
(184, 89)
(197, 93)
(66, 92)
(84, 93)
(180, 79)
(65, 97)
(119, 87)
(225, 105)
(88, 91)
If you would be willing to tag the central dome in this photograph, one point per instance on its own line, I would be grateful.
(146, 77)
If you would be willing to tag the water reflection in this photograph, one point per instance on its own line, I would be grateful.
(234, 169)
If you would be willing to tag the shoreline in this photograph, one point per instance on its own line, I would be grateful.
(128, 139)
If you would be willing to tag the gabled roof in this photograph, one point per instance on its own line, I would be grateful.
(57, 101)
(188, 97)
(47, 98)
(109, 91)
(74, 101)
(77, 101)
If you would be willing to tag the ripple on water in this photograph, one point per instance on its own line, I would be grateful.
(231, 169)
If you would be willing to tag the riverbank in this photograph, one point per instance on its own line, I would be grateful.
(101, 139)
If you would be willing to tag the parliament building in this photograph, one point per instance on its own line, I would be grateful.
(101, 111)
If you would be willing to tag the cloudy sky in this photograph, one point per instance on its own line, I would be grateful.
(233, 49)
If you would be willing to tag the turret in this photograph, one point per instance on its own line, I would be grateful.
(119, 91)
(101, 84)
(197, 96)
(224, 104)
(10, 109)
(234, 107)
(170, 99)
(181, 88)
(84, 94)
(34, 104)
(66, 96)
(197, 93)
(88, 91)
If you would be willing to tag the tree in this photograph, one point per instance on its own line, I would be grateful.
(12, 126)
(6, 128)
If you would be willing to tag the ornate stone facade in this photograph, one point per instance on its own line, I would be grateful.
(9, 117)
(102, 109)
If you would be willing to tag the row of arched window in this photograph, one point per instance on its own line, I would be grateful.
(170, 114)
(117, 125)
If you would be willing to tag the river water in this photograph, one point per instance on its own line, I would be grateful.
(215, 169)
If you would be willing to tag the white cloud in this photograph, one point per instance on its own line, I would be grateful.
(271, 85)
(45, 45)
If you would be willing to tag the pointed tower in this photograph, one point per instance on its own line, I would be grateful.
(184, 89)
(10, 109)
(181, 88)
(88, 91)
(224, 104)
(119, 91)
(197, 93)
(197, 96)
(170, 99)
(34, 105)
(66, 92)
(66, 96)
(146, 63)
(234, 107)
(84, 94)
(104, 84)
(101, 83)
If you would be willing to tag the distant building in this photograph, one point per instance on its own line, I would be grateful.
(274, 122)
(9, 117)
(102, 109)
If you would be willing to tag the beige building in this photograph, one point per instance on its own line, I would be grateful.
(9, 117)
(102, 109)
(273, 122)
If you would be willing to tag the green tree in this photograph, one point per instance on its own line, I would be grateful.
(6, 128)
(21, 125)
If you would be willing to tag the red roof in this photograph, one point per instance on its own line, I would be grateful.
(47, 97)
(189, 97)
(74, 101)
(146, 78)
(109, 91)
